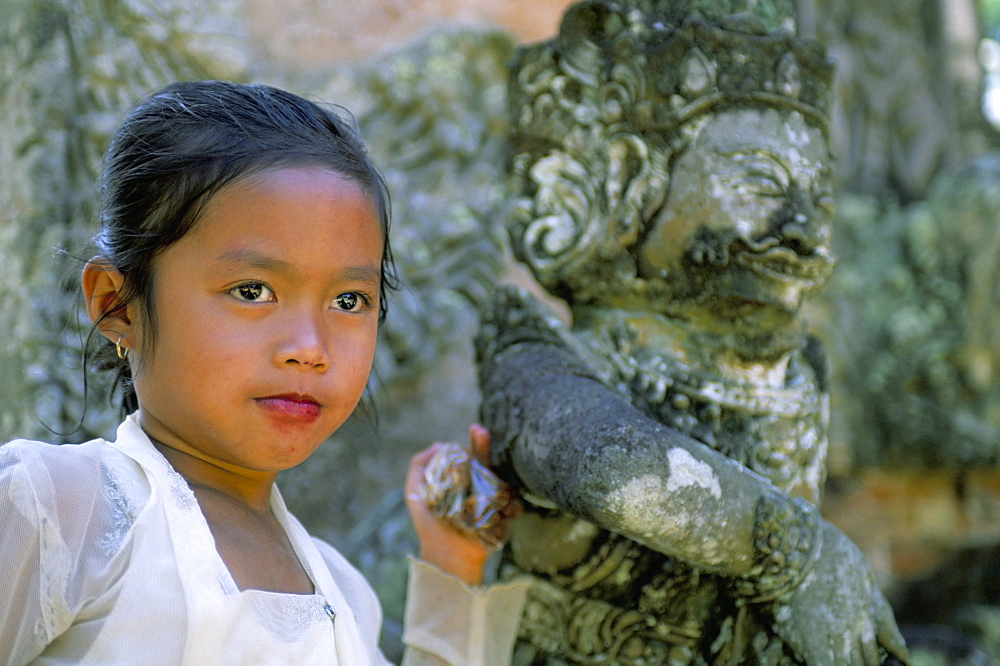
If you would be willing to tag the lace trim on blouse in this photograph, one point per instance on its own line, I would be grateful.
(180, 489)
(123, 512)
(304, 610)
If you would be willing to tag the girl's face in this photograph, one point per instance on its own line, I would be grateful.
(266, 319)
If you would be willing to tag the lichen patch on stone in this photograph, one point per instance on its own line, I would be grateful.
(685, 472)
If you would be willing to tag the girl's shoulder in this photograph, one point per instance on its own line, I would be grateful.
(34, 451)
(71, 467)
(76, 489)
(67, 514)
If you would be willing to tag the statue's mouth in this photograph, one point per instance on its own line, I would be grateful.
(784, 263)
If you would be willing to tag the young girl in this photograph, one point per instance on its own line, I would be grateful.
(243, 263)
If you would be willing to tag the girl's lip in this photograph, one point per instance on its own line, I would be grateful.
(294, 406)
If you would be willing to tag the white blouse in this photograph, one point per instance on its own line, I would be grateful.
(105, 557)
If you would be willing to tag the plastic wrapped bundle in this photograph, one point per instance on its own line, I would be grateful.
(468, 495)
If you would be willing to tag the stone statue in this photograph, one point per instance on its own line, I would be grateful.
(671, 183)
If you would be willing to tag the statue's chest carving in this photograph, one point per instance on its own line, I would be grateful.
(656, 605)
(780, 433)
(785, 448)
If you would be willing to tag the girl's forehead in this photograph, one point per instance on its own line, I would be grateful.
(293, 179)
(267, 193)
(298, 207)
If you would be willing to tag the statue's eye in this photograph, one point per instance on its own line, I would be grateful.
(764, 184)
(755, 173)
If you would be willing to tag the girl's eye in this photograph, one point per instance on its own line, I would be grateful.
(252, 292)
(349, 301)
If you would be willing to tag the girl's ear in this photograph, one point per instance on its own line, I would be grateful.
(102, 290)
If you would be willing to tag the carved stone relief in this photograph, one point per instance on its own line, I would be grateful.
(671, 181)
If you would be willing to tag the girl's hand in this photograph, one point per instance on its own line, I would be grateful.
(459, 553)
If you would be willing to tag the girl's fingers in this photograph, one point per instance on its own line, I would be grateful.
(479, 442)
(415, 473)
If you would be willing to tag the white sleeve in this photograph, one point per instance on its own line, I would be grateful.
(449, 623)
(32, 559)
(61, 542)
(21, 613)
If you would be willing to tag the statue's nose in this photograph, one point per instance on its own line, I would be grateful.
(804, 228)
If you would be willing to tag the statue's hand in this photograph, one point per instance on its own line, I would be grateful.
(837, 615)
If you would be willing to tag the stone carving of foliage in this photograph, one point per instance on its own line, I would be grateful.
(917, 338)
(907, 90)
(69, 69)
(433, 118)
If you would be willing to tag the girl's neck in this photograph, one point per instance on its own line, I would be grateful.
(248, 537)
(202, 475)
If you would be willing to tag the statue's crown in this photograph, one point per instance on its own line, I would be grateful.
(653, 65)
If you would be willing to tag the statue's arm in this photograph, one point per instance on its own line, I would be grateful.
(561, 434)
(564, 436)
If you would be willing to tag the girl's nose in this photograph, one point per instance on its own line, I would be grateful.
(303, 344)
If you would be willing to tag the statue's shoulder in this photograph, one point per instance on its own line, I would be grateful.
(513, 318)
(515, 321)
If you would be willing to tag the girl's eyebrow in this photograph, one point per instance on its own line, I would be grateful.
(369, 274)
(253, 259)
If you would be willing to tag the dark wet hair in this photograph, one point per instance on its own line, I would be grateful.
(180, 145)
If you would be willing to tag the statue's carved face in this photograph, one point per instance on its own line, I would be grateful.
(747, 217)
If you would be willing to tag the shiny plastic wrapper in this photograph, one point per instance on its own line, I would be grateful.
(467, 495)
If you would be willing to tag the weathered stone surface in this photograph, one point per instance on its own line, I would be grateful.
(671, 182)
(912, 316)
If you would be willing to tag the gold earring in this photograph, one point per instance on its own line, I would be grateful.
(121, 351)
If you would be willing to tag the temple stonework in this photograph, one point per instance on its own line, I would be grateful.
(671, 182)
